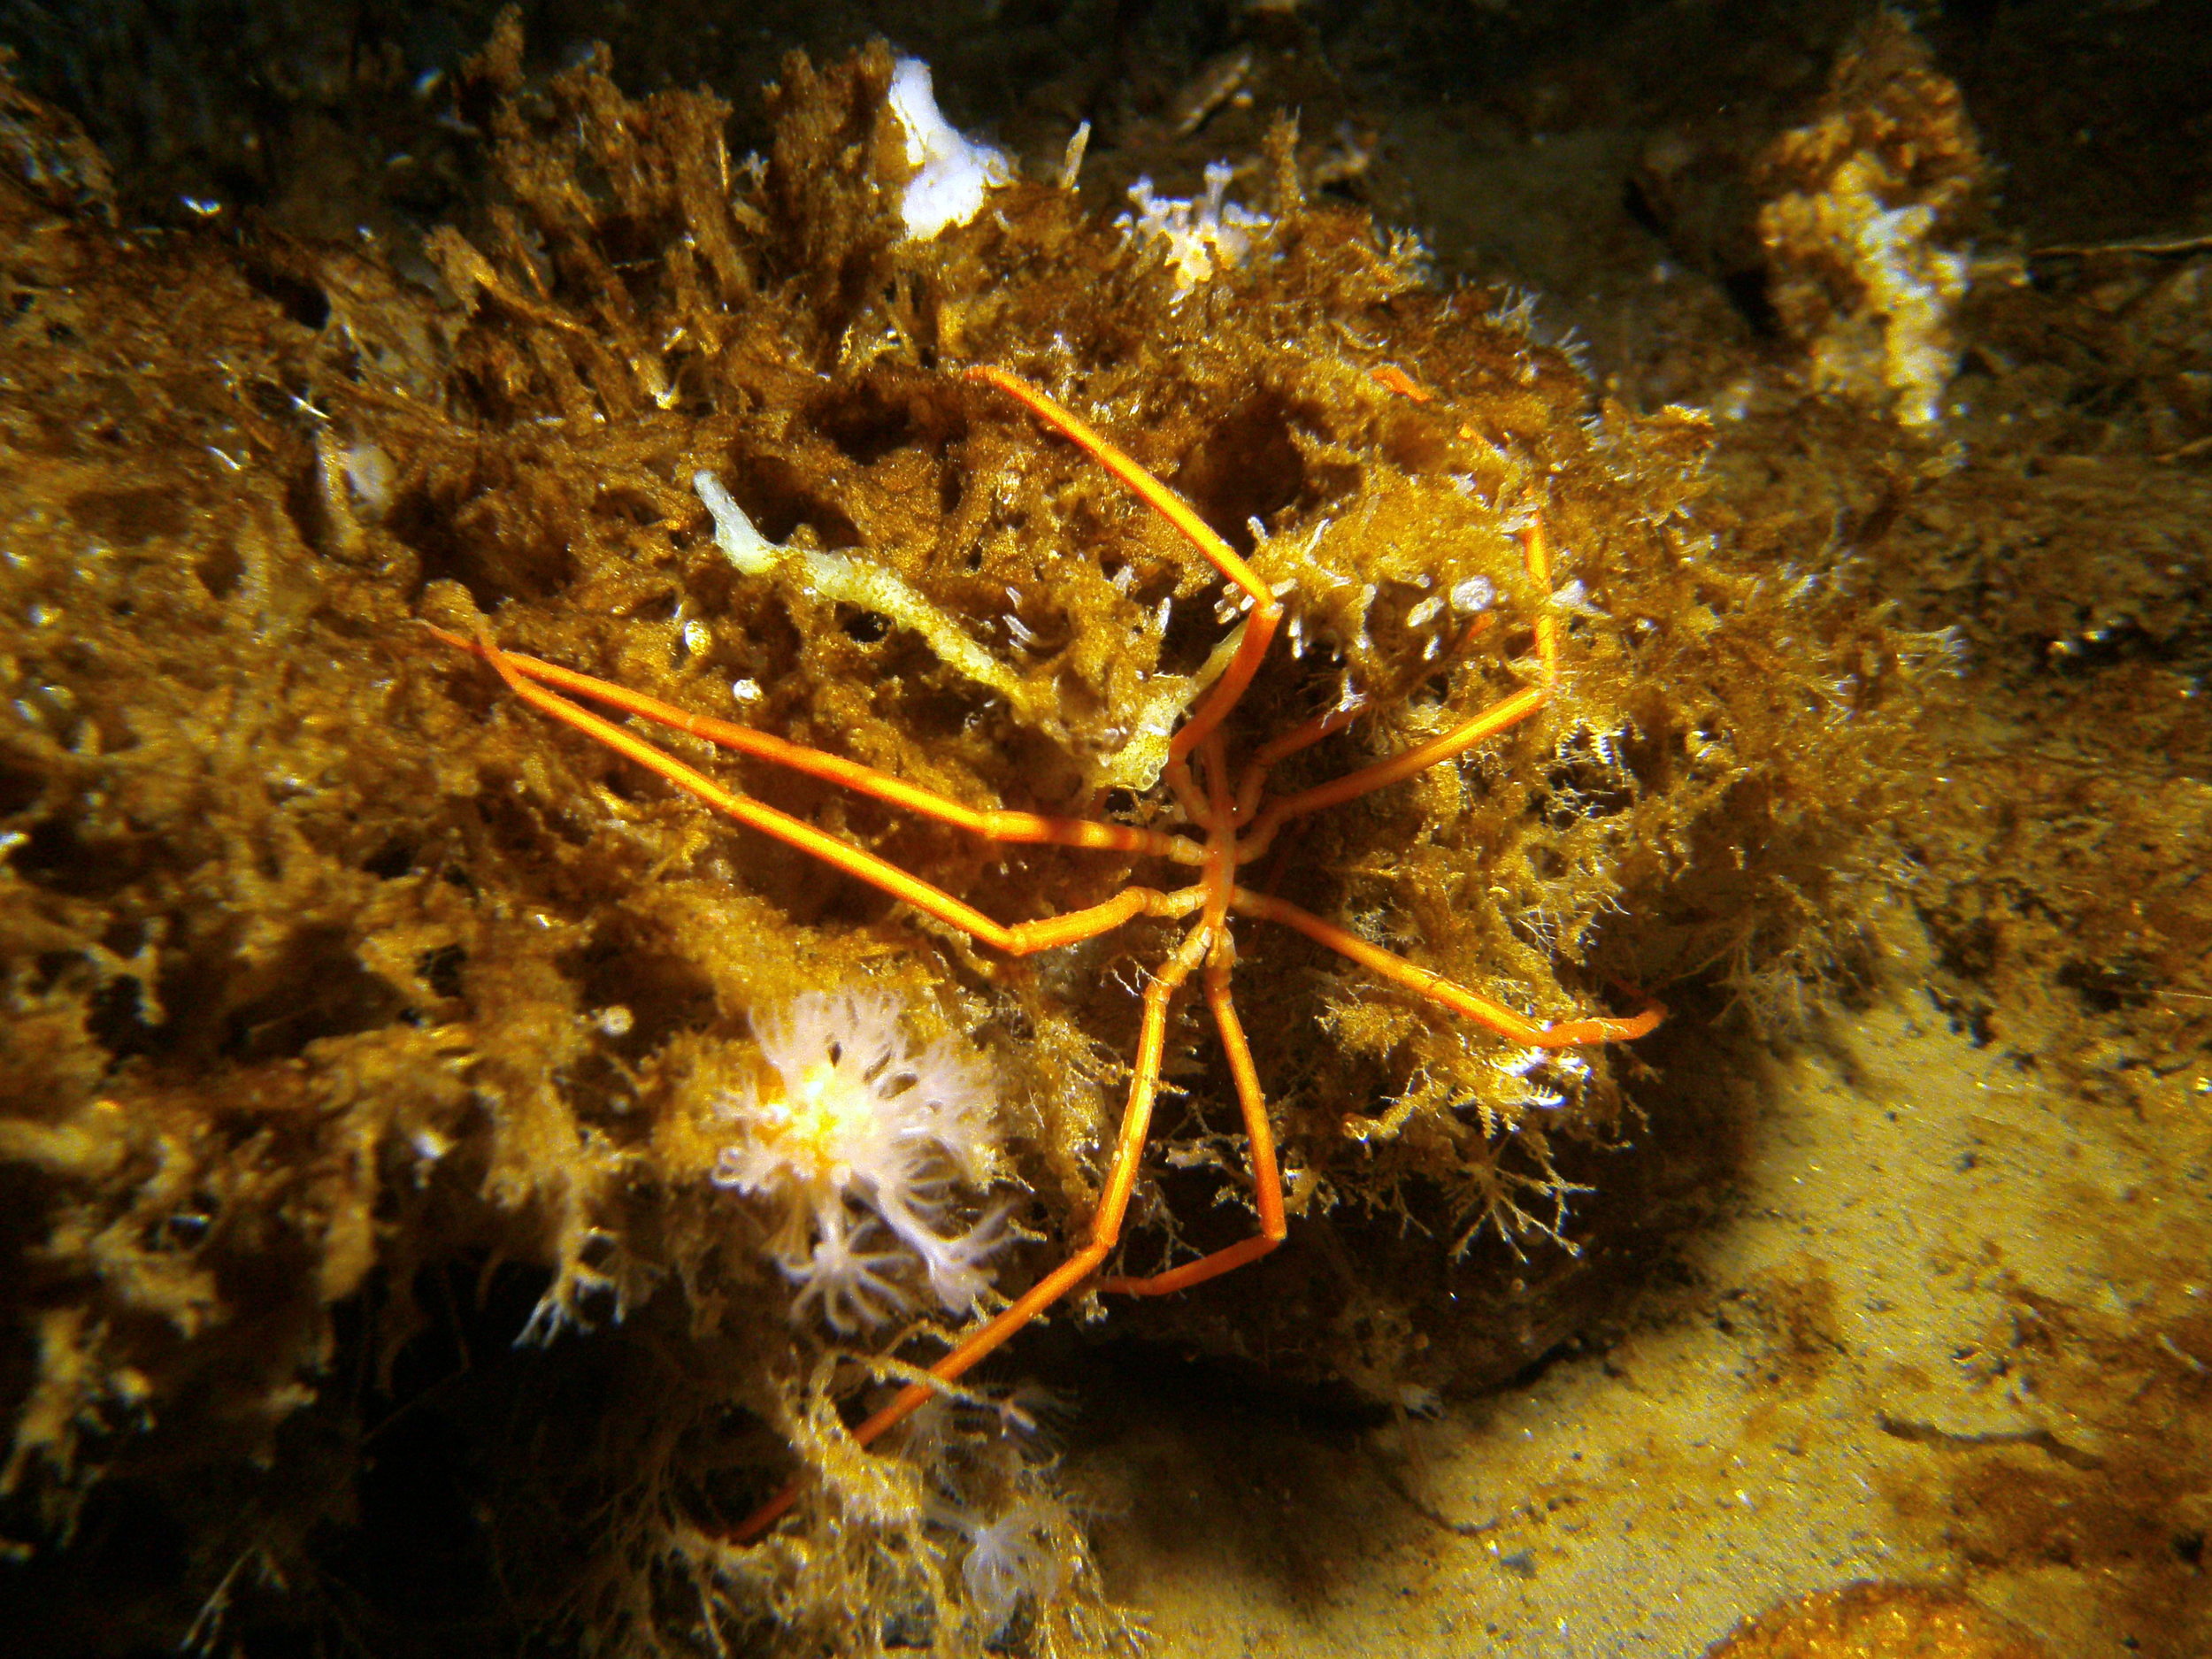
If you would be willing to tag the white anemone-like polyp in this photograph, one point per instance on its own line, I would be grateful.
(866, 1146)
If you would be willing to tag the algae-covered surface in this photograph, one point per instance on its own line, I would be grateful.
(452, 1179)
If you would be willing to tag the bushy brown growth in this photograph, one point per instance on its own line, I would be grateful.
(1866, 1617)
(1870, 206)
(2066, 542)
(333, 971)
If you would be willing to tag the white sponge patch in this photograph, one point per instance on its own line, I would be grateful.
(954, 171)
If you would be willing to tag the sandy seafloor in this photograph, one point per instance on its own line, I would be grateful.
(1802, 1418)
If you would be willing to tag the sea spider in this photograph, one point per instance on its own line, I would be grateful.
(1233, 824)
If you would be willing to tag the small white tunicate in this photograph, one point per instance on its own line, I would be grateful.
(369, 476)
(614, 1020)
(1575, 597)
(697, 637)
(1477, 593)
(745, 690)
(1424, 613)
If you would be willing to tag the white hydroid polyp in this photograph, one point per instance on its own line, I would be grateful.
(867, 1145)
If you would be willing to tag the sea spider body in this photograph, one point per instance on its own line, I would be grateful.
(1231, 822)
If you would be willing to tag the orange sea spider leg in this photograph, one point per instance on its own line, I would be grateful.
(1212, 898)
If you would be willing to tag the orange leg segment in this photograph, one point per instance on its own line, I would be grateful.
(1267, 611)
(993, 824)
(1572, 1033)
(1267, 1176)
(1500, 716)
(1020, 938)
